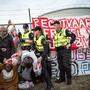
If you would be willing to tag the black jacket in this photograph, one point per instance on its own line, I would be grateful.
(6, 47)
(72, 35)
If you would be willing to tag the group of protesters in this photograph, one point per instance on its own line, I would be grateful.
(21, 52)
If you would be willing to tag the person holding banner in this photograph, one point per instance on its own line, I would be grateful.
(62, 41)
(42, 51)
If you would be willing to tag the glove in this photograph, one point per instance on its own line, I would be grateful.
(22, 40)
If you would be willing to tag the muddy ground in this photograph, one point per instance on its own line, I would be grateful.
(78, 83)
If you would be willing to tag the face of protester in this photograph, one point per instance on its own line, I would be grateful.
(28, 62)
(13, 33)
(3, 31)
(28, 65)
(8, 67)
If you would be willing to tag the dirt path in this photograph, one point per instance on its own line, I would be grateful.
(78, 83)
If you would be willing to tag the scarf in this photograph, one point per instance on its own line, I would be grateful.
(7, 75)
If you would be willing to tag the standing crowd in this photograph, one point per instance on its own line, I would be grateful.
(24, 57)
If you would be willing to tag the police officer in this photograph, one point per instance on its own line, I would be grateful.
(62, 41)
(26, 39)
(42, 50)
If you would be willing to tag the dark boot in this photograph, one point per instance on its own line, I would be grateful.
(59, 81)
(69, 82)
(48, 88)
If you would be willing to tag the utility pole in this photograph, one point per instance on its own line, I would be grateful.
(29, 16)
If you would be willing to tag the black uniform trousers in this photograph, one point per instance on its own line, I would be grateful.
(64, 62)
(45, 71)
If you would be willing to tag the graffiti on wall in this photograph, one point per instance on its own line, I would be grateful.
(80, 26)
(81, 54)
(80, 62)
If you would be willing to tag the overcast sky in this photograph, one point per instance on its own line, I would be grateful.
(18, 8)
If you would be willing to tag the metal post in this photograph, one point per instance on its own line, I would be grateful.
(29, 16)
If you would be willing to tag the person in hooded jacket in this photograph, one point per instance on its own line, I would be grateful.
(6, 44)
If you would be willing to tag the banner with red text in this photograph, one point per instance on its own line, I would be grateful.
(80, 26)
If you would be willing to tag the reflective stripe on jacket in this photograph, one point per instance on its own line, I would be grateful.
(25, 37)
(60, 38)
(38, 44)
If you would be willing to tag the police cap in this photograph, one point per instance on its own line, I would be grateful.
(55, 22)
(37, 28)
(25, 26)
